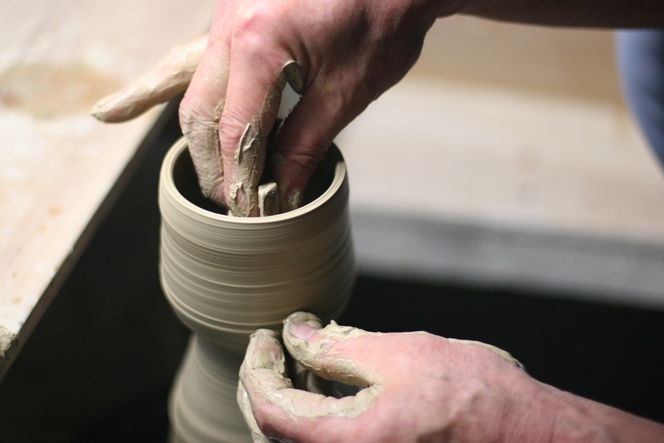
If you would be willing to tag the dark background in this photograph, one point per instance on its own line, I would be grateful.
(99, 365)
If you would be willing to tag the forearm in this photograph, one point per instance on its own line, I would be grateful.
(557, 416)
(584, 13)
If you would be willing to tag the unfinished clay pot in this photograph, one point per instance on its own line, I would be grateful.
(228, 276)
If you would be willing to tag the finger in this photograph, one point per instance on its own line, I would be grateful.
(243, 402)
(264, 361)
(249, 157)
(169, 78)
(268, 200)
(268, 194)
(201, 109)
(306, 134)
(277, 407)
(333, 353)
(258, 76)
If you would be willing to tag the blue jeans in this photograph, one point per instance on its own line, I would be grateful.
(640, 56)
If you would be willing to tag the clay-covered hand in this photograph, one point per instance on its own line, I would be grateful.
(340, 54)
(417, 386)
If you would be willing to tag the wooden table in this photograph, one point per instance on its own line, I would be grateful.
(60, 169)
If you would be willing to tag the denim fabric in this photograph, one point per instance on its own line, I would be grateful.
(640, 55)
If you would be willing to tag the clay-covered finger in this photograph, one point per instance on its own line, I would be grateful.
(200, 112)
(319, 350)
(169, 78)
(277, 407)
(255, 89)
(306, 134)
(243, 402)
(264, 370)
(268, 199)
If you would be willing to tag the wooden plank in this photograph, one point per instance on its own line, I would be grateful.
(561, 61)
(483, 254)
(484, 140)
(470, 150)
(59, 164)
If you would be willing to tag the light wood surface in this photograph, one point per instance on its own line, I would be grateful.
(561, 61)
(474, 151)
(59, 166)
(519, 134)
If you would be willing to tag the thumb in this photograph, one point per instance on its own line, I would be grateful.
(335, 352)
(166, 80)
(273, 408)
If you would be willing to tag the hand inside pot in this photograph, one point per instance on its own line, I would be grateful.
(341, 55)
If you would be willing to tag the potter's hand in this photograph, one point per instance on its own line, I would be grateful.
(341, 54)
(417, 386)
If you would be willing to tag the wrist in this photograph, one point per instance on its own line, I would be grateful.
(544, 413)
(507, 405)
(466, 7)
(536, 410)
(520, 409)
(447, 8)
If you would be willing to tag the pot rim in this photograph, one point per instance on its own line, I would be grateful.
(340, 175)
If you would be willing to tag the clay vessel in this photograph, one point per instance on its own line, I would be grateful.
(227, 276)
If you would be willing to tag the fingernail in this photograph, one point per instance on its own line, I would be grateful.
(302, 330)
(97, 108)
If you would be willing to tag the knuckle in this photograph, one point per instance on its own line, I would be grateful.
(262, 417)
(256, 32)
(230, 128)
(192, 116)
(308, 155)
(186, 115)
(253, 17)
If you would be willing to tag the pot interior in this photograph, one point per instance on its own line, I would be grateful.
(186, 181)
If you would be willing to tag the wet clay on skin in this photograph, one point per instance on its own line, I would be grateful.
(228, 276)
(171, 77)
(251, 152)
(264, 370)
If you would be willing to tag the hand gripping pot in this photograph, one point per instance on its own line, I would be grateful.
(228, 276)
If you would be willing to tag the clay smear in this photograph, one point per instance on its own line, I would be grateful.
(251, 153)
(170, 77)
(264, 372)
